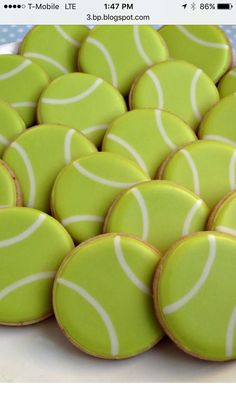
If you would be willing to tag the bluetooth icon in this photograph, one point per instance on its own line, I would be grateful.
(193, 6)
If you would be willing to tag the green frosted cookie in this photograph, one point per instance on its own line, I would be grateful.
(83, 102)
(21, 84)
(11, 125)
(38, 155)
(158, 212)
(223, 217)
(10, 193)
(32, 247)
(219, 123)
(54, 47)
(227, 85)
(147, 136)
(119, 54)
(178, 87)
(207, 168)
(102, 297)
(205, 46)
(85, 189)
(194, 294)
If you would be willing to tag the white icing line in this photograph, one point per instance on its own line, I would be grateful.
(73, 99)
(126, 269)
(25, 234)
(227, 230)
(198, 285)
(101, 180)
(131, 150)
(3, 140)
(95, 128)
(190, 216)
(67, 145)
(4, 206)
(16, 70)
(138, 43)
(233, 73)
(107, 57)
(24, 104)
(67, 37)
(199, 41)
(99, 309)
(219, 138)
(193, 95)
(25, 281)
(48, 60)
(81, 218)
(193, 168)
(144, 212)
(158, 87)
(232, 171)
(30, 171)
(229, 347)
(162, 130)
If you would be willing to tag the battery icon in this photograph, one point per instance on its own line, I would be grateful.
(224, 6)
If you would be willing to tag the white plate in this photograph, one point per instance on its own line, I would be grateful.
(41, 353)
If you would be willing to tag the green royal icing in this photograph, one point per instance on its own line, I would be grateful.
(195, 293)
(8, 193)
(223, 218)
(11, 125)
(54, 47)
(105, 307)
(205, 46)
(38, 155)
(227, 85)
(178, 87)
(32, 247)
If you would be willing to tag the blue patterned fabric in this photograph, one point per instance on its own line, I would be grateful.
(15, 33)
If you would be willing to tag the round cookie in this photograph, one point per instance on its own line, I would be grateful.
(223, 218)
(147, 136)
(219, 123)
(83, 102)
(21, 83)
(32, 247)
(102, 297)
(194, 294)
(178, 87)
(11, 125)
(54, 47)
(39, 154)
(205, 46)
(10, 194)
(159, 212)
(86, 188)
(207, 168)
(119, 54)
(227, 85)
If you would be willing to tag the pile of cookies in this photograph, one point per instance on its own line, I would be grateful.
(118, 187)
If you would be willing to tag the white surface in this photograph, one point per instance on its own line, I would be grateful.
(41, 353)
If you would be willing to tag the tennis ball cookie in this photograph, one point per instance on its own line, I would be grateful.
(11, 125)
(10, 193)
(227, 85)
(223, 218)
(147, 136)
(119, 54)
(39, 154)
(205, 46)
(194, 294)
(178, 87)
(83, 102)
(21, 83)
(32, 247)
(219, 123)
(54, 47)
(207, 168)
(102, 297)
(86, 188)
(159, 212)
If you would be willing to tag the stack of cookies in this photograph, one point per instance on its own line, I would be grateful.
(118, 187)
